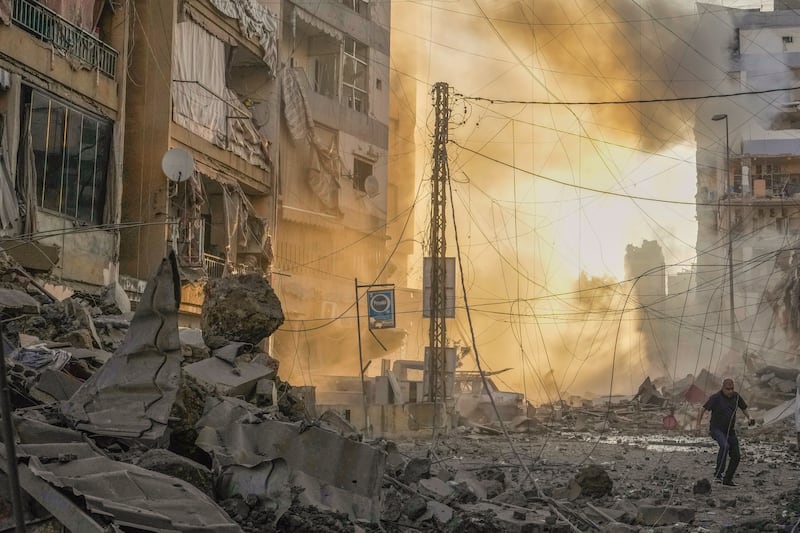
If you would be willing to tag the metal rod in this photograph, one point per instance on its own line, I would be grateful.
(361, 363)
(8, 439)
(729, 186)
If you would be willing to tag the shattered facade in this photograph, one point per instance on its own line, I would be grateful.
(333, 168)
(750, 195)
(62, 119)
(203, 82)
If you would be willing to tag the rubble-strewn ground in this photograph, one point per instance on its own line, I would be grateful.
(583, 465)
(655, 475)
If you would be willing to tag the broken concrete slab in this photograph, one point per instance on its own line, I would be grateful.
(130, 495)
(231, 351)
(229, 380)
(335, 472)
(440, 512)
(101, 356)
(269, 481)
(133, 393)
(17, 302)
(61, 506)
(336, 422)
(435, 488)
(54, 386)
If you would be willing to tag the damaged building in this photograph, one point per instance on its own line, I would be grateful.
(235, 130)
(748, 186)
(62, 125)
(332, 211)
(202, 109)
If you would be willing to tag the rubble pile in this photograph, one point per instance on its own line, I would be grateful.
(124, 421)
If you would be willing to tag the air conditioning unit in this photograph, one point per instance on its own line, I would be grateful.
(372, 186)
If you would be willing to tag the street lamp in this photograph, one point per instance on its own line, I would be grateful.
(715, 118)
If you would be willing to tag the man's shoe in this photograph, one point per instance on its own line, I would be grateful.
(717, 480)
(729, 483)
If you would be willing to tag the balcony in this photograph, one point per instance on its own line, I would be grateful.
(66, 37)
(215, 267)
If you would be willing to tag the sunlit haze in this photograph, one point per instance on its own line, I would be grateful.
(572, 137)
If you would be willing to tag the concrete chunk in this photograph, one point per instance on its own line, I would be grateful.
(17, 301)
(229, 380)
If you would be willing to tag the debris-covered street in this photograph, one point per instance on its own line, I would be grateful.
(125, 422)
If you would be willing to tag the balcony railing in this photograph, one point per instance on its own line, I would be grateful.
(215, 267)
(50, 27)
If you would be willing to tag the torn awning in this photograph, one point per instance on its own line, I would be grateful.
(321, 25)
(255, 22)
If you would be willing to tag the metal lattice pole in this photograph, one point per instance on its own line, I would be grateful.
(438, 248)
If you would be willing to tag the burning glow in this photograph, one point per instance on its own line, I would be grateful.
(552, 185)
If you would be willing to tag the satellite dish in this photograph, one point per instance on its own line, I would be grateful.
(371, 186)
(177, 164)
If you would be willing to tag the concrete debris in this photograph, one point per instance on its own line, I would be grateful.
(241, 308)
(132, 394)
(594, 481)
(197, 429)
(239, 379)
(335, 472)
(130, 494)
(17, 302)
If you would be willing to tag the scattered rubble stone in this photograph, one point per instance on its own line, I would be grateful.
(642, 475)
(594, 481)
(701, 487)
(416, 469)
(172, 464)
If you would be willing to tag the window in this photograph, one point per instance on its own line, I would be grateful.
(325, 58)
(361, 169)
(787, 39)
(354, 75)
(359, 6)
(70, 153)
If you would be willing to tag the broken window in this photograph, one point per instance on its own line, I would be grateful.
(324, 52)
(70, 155)
(354, 75)
(359, 6)
(361, 170)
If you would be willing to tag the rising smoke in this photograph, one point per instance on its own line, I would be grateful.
(611, 96)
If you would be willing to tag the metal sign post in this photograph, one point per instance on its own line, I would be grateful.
(381, 316)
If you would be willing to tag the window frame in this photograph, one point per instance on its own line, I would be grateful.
(61, 191)
(359, 6)
(359, 181)
(350, 91)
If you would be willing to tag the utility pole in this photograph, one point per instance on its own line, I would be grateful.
(729, 186)
(438, 299)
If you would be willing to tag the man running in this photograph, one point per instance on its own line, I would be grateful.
(723, 406)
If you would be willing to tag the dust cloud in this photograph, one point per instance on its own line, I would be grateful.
(575, 133)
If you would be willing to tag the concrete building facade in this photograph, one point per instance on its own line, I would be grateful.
(62, 119)
(748, 197)
(203, 93)
(333, 165)
(247, 135)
